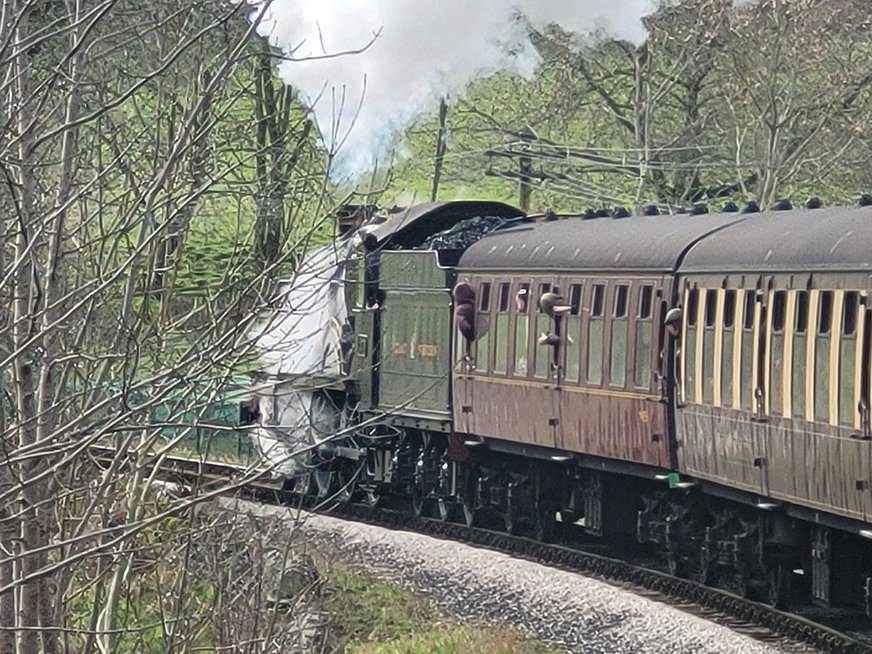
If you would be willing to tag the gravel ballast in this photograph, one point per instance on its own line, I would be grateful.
(569, 610)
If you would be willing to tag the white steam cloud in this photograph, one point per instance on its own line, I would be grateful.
(418, 51)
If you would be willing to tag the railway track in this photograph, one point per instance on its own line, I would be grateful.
(625, 569)
(629, 569)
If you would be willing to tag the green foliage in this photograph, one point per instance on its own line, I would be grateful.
(365, 609)
(764, 101)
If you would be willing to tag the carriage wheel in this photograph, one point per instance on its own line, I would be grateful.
(778, 585)
(511, 519)
(543, 518)
(470, 497)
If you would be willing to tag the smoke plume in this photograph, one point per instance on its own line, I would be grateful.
(366, 68)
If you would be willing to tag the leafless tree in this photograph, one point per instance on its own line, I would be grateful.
(132, 176)
(796, 80)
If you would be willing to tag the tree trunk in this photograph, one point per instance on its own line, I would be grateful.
(438, 160)
(24, 379)
(274, 162)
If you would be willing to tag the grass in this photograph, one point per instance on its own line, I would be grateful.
(369, 616)
(484, 639)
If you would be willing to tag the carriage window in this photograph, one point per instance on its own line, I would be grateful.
(522, 297)
(690, 353)
(621, 293)
(484, 297)
(776, 357)
(711, 303)
(501, 329)
(748, 313)
(692, 307)
(482, 352)
(727, 348)
(543, 288)
(572, 323)
(779, 309)
(596, 300)
(503, 304)
(729, 309)
(645, 295)
(849, 313)
(847, 358)
(747, 365)
(800, 347)
(822, 356)
(825, 312)
(801, 318)
(708, 346)
(643, 352)
(522, 325)
(575, 298)
(595, 335)
(618, 342)
(542, 356)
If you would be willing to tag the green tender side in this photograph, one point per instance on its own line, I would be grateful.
(416, 324)
(196, 421)
(210, 427)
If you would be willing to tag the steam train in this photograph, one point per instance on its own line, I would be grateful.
(698, 382)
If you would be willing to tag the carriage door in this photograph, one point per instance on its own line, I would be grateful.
(761, 382)
(863, 405)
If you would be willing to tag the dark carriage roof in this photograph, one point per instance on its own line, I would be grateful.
(838, 238)
(651, 243)
(413, 225)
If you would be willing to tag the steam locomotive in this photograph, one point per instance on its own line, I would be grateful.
(698, 381)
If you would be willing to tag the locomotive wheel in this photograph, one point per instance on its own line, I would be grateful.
(444, 508)
(320, 481)
(346, 480)
(371, 497)
(417, 495)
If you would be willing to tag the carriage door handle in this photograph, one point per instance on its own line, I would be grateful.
(758, 405)
(863, 408)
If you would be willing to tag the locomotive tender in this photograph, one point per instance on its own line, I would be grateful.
(704, 386)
